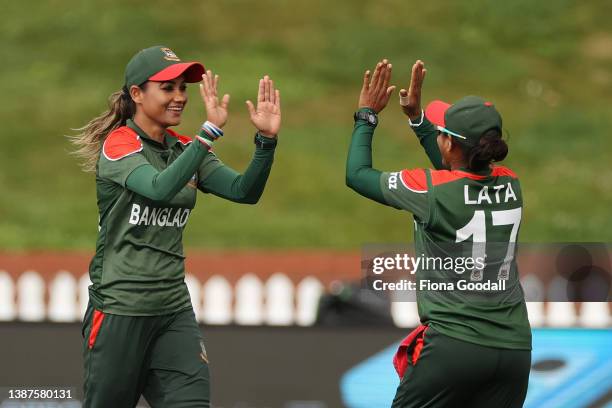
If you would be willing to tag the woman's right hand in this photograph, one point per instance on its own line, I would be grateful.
(410, 100)
(216, 112)
(375, 90)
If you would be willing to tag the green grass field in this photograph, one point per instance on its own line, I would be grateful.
(546, 65)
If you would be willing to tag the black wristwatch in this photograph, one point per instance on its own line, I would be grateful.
(368, 116)
(263, 142)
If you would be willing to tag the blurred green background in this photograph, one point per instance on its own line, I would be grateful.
(546, 65)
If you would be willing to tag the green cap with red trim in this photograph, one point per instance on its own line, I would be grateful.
(159, 63)
(467, 119)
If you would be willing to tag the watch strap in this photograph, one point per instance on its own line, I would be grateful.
(266, 143)
(366, 114)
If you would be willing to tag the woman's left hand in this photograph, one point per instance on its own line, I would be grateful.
(267, 115)
(375, 93)
(216, 112)
(410, 100)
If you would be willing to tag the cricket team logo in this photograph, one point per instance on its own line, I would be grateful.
(169, 54)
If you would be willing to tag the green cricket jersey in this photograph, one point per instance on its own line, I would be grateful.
(138, 268)
(482, 211)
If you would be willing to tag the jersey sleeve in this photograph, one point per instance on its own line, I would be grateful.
(427, 135)
(407, 190)
(210, 163)
(360, 176)
(121, 154)
(246, 188)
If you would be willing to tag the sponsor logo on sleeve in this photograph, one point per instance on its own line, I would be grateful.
(393, 180)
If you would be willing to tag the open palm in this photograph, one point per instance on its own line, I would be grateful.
(266, 116)
(216, 111)
(375, 91)
(410, 100)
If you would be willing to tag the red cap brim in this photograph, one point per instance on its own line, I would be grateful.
(435, 112)
(193, 72)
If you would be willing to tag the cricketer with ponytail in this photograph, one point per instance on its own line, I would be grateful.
(471, 349)
(140, 333)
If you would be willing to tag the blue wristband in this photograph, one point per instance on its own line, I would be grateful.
(212, 129)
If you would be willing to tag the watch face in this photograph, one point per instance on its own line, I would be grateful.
(370, 117)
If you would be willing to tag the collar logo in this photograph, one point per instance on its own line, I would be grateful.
(169, 54)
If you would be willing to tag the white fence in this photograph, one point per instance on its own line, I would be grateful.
(251, 301)
(276, 302)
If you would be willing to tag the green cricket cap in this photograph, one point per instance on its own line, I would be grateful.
(159, 63)
(468, 118)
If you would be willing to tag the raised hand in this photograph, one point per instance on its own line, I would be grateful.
(410, 100)
(216, 112)
(375, 92)
(267, 115)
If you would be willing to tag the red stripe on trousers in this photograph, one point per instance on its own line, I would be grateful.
(95, 327)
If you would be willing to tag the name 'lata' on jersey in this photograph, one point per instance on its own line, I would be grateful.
(480, 210)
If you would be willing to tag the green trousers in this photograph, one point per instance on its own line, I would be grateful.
(160, 357)
(451, 373)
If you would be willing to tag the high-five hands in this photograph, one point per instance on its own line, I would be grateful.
(375, 92)
(267, 115)
(410, 100)
(216, 112)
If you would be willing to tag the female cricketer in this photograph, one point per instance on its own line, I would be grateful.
(472, 348)
(140, 333)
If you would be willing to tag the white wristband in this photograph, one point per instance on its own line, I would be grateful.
(420, 122)
(205, 142)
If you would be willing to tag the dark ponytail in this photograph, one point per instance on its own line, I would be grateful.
(491, 148)
(88, 142)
